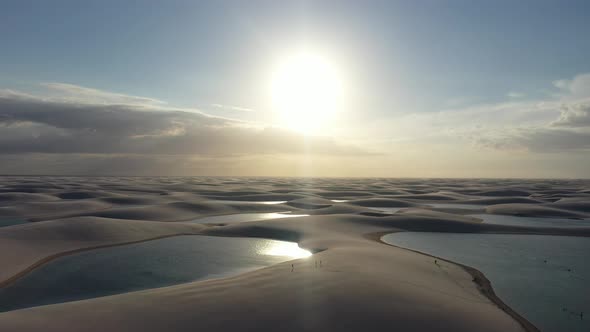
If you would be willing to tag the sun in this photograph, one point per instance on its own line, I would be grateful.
(306, 92)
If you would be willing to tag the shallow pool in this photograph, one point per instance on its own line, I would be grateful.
(532, 221)
(244, 217)
(457, 206)
(544, 278)
(9, 221)
(150, 264)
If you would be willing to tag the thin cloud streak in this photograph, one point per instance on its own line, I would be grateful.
(80, 94)
(232, 108)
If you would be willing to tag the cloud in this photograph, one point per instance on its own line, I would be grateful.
(52, 126)
(78, 130)
(557, 123)
(574, 116)
(554, 140)
(232, 108)
(79, 94)
(576, 88)
(570, 132)
(538, 140)
(514, 94)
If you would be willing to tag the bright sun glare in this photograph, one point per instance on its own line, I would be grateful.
(287, 249)
(306, 92)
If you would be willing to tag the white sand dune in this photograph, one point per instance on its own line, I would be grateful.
(531, 210)
(381, 202)
(500, 200)
(362, 284)
(17, 197)
(53, 209)
(573, 204)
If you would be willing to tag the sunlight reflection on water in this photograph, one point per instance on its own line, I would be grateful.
(244, 217)
(286, 249)
(150, 264)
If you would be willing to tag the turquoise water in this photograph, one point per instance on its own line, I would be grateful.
(532, 221)
(9, 221)
(143, 265)
(543, 278)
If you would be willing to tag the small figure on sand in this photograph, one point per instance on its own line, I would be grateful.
(292, 267)
(436, 262)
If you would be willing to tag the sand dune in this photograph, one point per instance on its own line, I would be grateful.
(426, 197)
(17, 197)
(573, 204)
(53, 209)
(311, 203)
(501, 200)
(135, 200)
(534, 211)
(362, 284)
(256, 197)
(381, 202)
(503, 192)
(82, 194)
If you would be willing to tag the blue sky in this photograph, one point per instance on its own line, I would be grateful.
(400, 58)
(197, 53)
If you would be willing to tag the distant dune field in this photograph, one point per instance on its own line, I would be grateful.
(352, 282)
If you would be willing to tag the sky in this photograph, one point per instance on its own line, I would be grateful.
(426, 88)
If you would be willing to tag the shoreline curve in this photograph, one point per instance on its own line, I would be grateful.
(483, 284)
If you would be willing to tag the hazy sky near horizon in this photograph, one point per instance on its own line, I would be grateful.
(431, 88)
